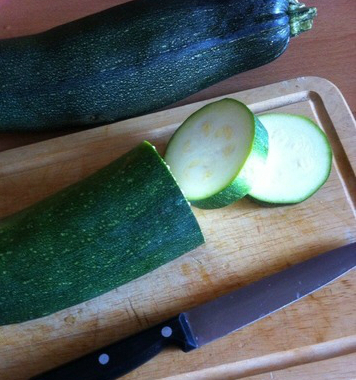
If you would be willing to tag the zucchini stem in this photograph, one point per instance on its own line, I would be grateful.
(300, 17)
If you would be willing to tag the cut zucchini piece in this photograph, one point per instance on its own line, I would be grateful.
(217, 153)
(299, 160)
(116, 225)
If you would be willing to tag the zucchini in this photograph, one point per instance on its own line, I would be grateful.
(138, 57)
(218, 153)
(298, 164)
(110, 228)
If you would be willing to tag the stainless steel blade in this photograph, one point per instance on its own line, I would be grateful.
(244, 306)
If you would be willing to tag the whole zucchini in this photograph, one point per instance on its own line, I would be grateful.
(138, 57)
(116, 225)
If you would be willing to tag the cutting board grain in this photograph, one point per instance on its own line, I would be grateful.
(244, 243)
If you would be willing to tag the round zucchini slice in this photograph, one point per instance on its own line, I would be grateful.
(217, 153)
(299, 160)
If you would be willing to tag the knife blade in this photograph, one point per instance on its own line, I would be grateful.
(205, 323)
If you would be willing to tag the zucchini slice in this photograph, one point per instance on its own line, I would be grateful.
(217, 153)
(299, 160)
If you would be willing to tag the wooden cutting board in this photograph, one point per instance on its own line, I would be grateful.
(244, 243)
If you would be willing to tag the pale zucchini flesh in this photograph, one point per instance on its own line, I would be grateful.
(299, 160)
(217, 153)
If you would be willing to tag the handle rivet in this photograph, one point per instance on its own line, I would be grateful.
(104, 359)
(166, 331)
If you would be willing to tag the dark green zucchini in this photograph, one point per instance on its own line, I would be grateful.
(114, 226)
(138, 57)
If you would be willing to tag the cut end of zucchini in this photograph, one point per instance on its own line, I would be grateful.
(210, 150)
(299, 160)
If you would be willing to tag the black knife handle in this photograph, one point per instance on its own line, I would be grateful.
(121, 357)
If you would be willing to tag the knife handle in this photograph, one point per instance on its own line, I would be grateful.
(121, 357)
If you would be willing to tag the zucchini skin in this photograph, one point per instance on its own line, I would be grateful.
(133, 59)
(110, 228)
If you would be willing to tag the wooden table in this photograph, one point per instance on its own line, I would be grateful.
(327, 51)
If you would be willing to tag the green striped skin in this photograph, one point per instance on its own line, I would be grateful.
(243, 182)
(116, 225)
(138, 57)
(268, 204)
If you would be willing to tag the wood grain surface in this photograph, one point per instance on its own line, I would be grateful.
(245, 242)
(328, 50)
(301, 363)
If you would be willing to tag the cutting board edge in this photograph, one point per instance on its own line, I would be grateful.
(273, 362)
(323, 84)
(305, 86)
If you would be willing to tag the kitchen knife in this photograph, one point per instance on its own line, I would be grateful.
(212, 320)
